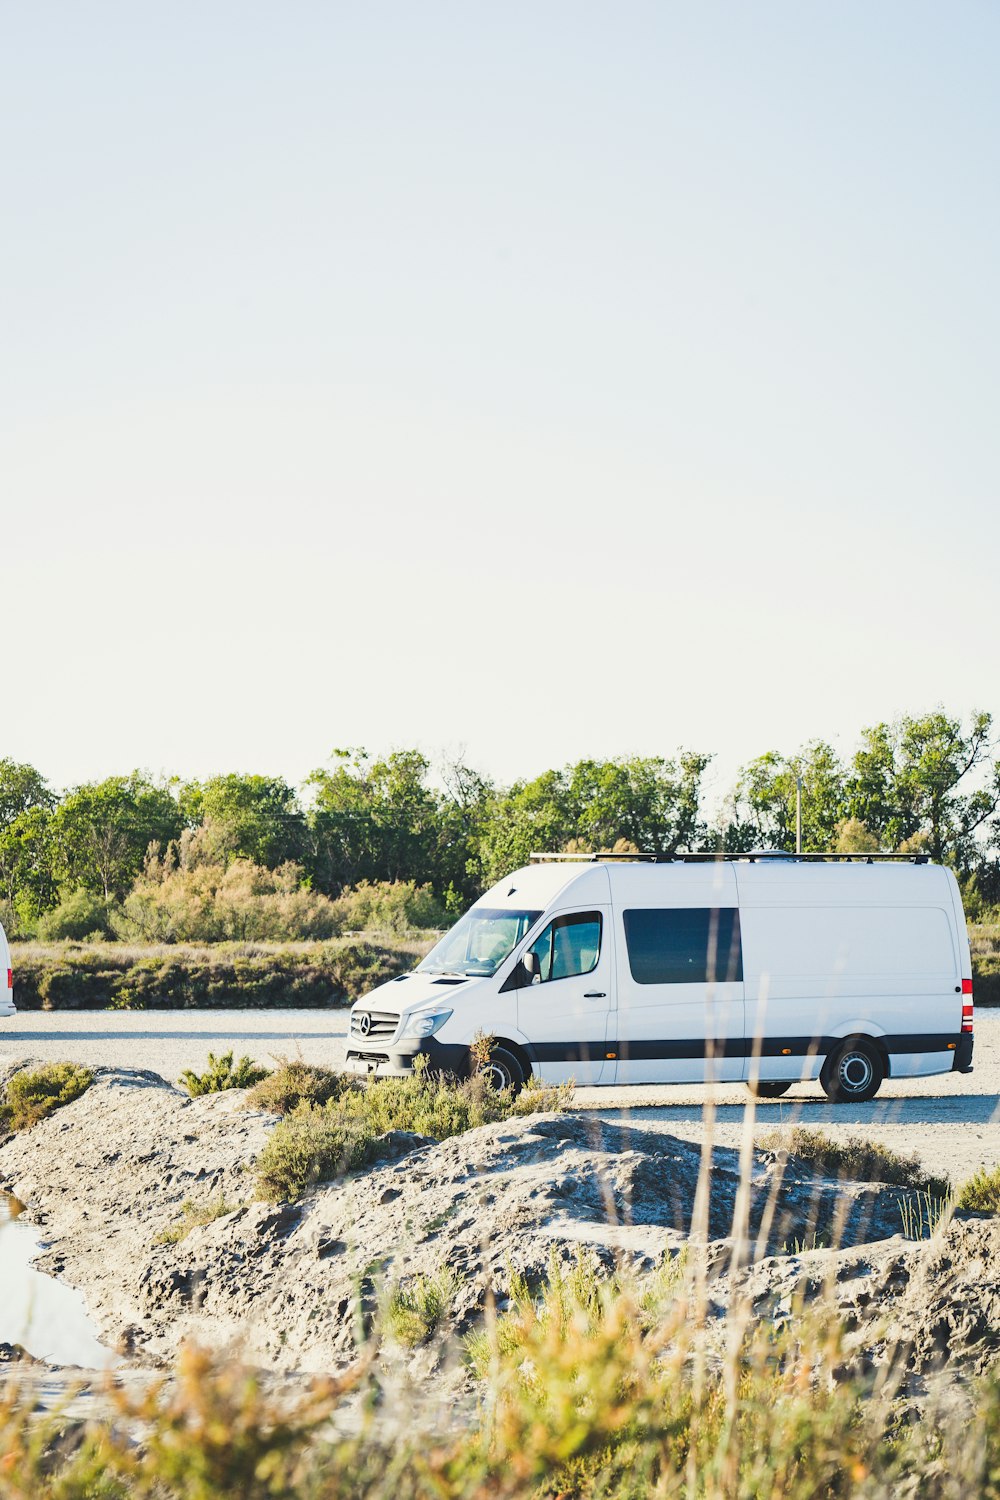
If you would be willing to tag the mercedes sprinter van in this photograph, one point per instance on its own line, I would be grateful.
(769, 969)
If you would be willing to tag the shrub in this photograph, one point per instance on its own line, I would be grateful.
(412, 1312)
(293, 1083)
(193, 1215)
(222, 1073)
(179, 899)
(79, 916)
(30, 1096)
(854, 1157)
(98, 976)
(390, 906)
(319, 1143)
(585, 1399)
(311, 1145)
(981, 1194)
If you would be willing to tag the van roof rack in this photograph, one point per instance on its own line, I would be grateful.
(750, 855)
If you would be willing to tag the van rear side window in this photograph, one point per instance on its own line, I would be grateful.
(684, 945)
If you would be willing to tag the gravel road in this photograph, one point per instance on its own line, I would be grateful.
(952, 1122)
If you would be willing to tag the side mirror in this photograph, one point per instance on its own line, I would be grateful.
(530, 967)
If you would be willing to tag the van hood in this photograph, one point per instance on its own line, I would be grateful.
(412, 991)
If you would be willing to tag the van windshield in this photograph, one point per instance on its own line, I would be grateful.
(479, 943)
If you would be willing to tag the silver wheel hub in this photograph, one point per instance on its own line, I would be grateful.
(856, 1072)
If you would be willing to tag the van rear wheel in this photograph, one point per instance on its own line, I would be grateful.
(852, 1074)
(762, 1089)
(503, 1071)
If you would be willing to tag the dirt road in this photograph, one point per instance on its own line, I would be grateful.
(951, 1122)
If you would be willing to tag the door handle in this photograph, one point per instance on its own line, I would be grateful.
(595, 995)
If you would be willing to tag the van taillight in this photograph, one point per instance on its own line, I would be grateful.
(966, 1004)
(10, 979)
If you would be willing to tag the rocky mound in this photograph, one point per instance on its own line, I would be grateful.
(294, 1284)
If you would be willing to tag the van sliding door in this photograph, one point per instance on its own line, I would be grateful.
(680, 986)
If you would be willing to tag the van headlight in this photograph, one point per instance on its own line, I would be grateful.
(425, 1023)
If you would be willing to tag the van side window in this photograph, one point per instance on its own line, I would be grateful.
(569, 945)
(684, 945)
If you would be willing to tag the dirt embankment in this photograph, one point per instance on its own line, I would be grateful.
(293, 1285)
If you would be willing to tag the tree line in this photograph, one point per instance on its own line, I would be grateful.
(927, 783)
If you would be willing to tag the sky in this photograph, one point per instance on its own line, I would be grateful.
(526, 382)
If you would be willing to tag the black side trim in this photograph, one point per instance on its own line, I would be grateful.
(772, 1046)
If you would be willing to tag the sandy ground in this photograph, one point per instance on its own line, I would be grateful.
(105, 1180)
(952, 1122)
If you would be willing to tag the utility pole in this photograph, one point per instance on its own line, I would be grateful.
(798, 814)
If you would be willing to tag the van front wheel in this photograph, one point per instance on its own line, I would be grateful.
(503, 1071)
(853, 1073)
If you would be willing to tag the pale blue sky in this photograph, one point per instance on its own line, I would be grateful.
(535, 379)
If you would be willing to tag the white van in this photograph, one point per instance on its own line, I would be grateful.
(761, 967)
(6, 978)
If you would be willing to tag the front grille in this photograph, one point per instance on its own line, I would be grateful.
(383, 1025)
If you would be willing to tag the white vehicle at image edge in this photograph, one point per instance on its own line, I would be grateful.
(765, 968)
(6, 978)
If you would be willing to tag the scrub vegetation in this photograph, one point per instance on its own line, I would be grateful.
(227, 976)
(294, 1082)
(412, 1313)
(193, 1216)
(855, 1157)
(222, 1073)
(316, 1142)
(981, 1194)
(588, 1391)
(32, 1094)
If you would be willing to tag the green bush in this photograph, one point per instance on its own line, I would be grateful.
(30, 1096)
(295, 1082)
(981, 1193)
(855, 1157)
(311, 1145)
(390, 906)
(99, 976)
(193, 1216)
(412, 1312)
(222, 1073)
(319, 1143)
(80, 916)
(185, 897)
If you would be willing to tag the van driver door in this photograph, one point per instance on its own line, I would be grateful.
(567, 1009)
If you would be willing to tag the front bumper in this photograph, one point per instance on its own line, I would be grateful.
(395, 1059)
(963, 1054)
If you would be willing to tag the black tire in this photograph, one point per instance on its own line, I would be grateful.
(504, 1071)
(761, 1089)
(853, 1073)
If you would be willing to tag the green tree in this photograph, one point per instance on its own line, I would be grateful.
(912, 781)
(27, 884)
(647, 803)
(102, 830)
(528, 816)
(22, 788)
(251, 817)
(374, 820)
(762, 809)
